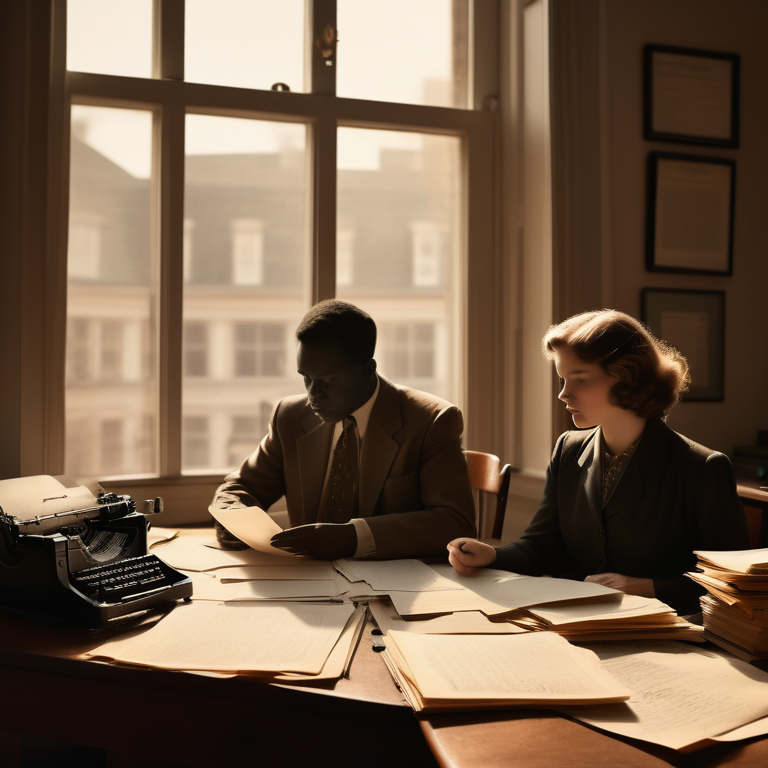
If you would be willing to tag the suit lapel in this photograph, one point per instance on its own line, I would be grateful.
(591, 475)
(379, 447)
(314, 450)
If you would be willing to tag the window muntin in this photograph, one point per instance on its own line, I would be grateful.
(246, 189)
(110, 38)
(111, 304)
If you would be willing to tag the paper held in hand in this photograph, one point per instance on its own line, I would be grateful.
(251, 525)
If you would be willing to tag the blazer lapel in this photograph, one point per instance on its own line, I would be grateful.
(314, 448)
(379, 447)
(591, 476)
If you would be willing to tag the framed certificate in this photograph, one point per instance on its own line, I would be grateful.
(691, 96)
(693, 322)
(690, 214)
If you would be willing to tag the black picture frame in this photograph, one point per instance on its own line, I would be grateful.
(694, 323)
(690, 96)
(689, 214)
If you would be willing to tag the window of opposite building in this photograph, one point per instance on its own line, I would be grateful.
(208, 212)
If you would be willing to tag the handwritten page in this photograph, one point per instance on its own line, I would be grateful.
(486, 671)
(680, 694)
(401, 575)
(460, 623)
(266, 638)
(251, 525)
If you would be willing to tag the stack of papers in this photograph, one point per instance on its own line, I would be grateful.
(736, 608)
(633, 618)
(279, 642)
(223, 575)
(438, 673)
(683, 697)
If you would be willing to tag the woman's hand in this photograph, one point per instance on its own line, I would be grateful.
(467, 555)
(627, 584)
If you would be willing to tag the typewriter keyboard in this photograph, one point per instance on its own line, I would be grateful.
(114, 581)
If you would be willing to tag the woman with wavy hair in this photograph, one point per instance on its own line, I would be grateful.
(626, 500)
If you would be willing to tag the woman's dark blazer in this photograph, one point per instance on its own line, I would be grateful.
(675, 496)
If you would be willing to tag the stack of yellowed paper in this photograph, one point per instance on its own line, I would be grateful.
(736, 608)
(279, 642)
(438, 673)
(633, 618)
(221, 575)
(682, 696)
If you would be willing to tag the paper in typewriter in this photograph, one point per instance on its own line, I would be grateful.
(30, 497)
(454, 672)
(681, 695)
(267, 638)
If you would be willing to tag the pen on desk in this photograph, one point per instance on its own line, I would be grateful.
(363, 622)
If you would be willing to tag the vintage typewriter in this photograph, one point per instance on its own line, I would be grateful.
(73, 555)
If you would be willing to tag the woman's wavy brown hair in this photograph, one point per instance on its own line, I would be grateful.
(652, 375)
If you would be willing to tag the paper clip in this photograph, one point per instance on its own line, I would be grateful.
(376, 639)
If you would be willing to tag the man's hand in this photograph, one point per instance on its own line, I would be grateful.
(630, 585)
(321, 541)
(467, 555)
(226, 539)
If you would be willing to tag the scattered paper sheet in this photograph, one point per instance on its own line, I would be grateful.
(681, 695)
(454, 672)
(277, 589)
(251, 525)
(266, 638)
(196, 550)
(157, 536)
(401, 575)
(629, 607)
(319, 572)
(460, 623)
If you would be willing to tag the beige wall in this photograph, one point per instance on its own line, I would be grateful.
(732, 26)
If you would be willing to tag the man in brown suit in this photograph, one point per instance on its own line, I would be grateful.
(368, 468)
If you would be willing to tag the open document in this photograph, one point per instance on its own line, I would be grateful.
(681, 695)
(264, 639)
(461, 672)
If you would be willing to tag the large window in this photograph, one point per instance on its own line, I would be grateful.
(220, 188)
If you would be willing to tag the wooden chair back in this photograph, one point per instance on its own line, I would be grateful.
(490, 488)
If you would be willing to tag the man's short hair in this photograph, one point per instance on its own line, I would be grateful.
(343, 323)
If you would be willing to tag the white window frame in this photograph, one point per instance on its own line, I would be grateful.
(478, 291)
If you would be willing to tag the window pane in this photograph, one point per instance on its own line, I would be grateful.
(399, 199)
(246, 182)
(111, 388)
(111, 38)
(245, 43)
(405, 51)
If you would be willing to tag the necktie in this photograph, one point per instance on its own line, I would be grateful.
(339, 501)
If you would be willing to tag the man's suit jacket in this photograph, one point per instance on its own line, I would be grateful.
(414, 487)
(675, 497)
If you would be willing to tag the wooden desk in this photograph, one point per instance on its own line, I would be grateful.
(755, 503)
(188, 719)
